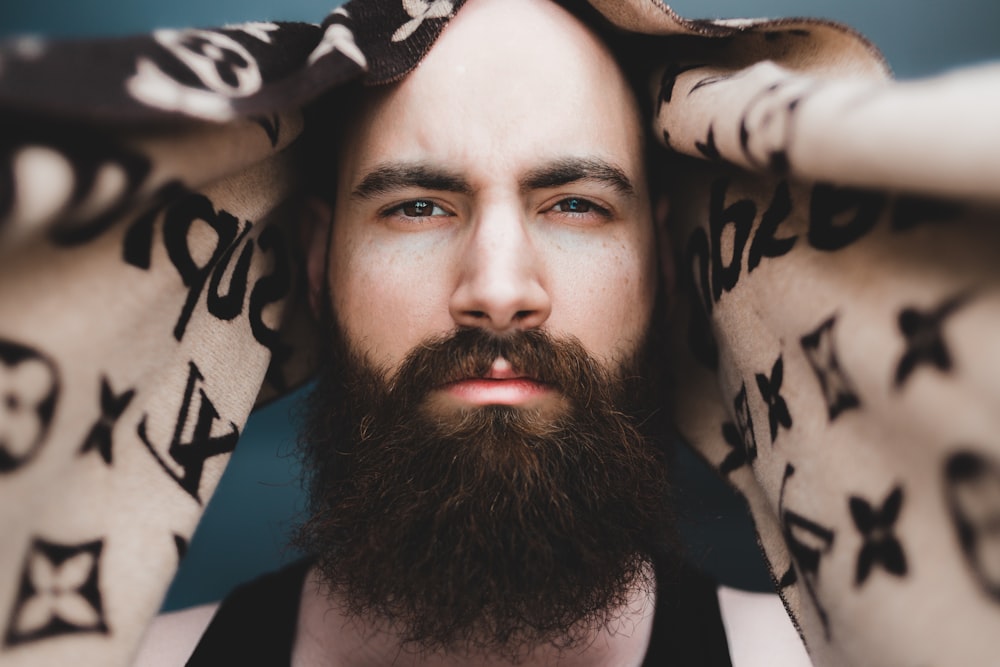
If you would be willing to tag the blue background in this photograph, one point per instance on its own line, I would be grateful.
(245, 527)
(917, 36)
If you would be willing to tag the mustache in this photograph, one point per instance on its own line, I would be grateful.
(562, 363)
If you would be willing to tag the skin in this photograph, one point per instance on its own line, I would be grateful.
(464, 202)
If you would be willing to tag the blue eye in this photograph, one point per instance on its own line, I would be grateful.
(579, 206)
(575, 205)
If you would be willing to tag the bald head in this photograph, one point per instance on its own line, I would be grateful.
(529, 57)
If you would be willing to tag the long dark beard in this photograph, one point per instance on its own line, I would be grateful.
(494, 529)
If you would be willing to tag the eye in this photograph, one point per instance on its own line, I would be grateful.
(417, 208)
(578, 206)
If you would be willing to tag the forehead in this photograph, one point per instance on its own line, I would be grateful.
(509, 83)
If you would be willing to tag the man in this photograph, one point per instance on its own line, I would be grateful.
(487, 484)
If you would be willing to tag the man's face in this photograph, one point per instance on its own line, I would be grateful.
(500, 185)
(481, 475)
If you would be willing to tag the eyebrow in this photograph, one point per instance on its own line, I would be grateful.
(387, 178)
(570, 170)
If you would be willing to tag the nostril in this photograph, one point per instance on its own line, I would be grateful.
(522, 315)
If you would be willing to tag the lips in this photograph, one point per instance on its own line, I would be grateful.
(514, 391)
(502, 385)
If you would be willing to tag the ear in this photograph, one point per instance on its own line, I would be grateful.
(315, 223)
(668, 270)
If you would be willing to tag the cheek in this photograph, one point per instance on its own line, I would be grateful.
(606, 292)
(384, 297)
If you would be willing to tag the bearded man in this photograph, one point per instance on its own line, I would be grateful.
(488, 467)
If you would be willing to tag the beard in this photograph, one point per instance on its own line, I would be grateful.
(491, 529)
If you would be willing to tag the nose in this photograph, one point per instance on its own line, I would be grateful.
(500, 285)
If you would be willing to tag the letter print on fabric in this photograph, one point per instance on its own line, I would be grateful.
(59, 593)
(740, 216)
(177, 224)
(922, 334)
(972, 495)
(112, 406)
(29, 389)
(189, 448)
(808, 542)
(879, 543)
(839, 216)
(766, 243)
(767, 126)
(711, 274)
(669, 79)
(821, 352)
(708, 148)
(735, 221)
(232, 256)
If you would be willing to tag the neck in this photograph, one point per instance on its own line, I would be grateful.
(327, 637)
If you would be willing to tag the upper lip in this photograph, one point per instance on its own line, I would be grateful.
(502, 374)
(501, 370)
(504, 370)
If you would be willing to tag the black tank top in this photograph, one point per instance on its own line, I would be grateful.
(255, 624)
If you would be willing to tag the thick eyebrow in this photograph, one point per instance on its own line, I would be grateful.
(393, 176)
(570, 170)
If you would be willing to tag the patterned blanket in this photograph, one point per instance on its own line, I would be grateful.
(835, 352)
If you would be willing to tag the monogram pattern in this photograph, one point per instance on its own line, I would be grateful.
(837, 256)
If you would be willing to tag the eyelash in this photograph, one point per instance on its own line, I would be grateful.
(591, 206)
(399, 210)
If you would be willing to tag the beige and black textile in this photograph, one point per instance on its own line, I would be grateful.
(837, 339)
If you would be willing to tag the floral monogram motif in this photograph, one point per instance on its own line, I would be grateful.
(338, 37)
(59, 593)
(419, 11)
(28, 389)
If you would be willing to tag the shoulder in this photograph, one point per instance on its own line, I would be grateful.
(172, 637)
(759, 631)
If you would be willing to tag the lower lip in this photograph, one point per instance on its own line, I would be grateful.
(514, 391)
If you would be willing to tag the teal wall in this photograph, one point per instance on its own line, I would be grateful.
(246, 524)
(918, 36)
